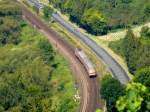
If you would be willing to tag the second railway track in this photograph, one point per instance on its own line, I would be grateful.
(115, 68)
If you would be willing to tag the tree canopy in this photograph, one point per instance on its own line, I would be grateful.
(9, 31)
(9, 22)
(94, 21)
(47, 11)
(143, 76)
(24, 78)
(118, 13)
(111, 90)
(135, 50)
(136, 99)
(9, 8)
(33, 77)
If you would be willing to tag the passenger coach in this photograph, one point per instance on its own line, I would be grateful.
(86, 62)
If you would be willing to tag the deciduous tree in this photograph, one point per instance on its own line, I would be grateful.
(136, 99)
(111, 90)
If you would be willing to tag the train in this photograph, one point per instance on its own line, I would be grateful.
(86, 62)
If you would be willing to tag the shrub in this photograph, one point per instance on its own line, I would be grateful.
(111, 90)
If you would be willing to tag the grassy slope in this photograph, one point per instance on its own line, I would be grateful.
(62, 75)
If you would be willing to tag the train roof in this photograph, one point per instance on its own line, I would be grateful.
(85, 59)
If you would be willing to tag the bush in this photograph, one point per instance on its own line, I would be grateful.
(145, 32)
(119, 13)
(24, 76)
(47, 50)
(94, 22)
(135, 50)
(47, 11)
(147, 9)
(10, 14)
(136, 99)
(9, 31)
(117, 47)
(143, 76)
(111, 90)
(9, 8)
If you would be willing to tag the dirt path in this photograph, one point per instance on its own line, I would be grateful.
(89, 90)
(121, 34)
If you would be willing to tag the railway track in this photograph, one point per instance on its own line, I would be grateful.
(117, 71)
(89, 90)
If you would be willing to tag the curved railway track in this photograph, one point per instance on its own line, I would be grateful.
(117, 71)
(89, 90)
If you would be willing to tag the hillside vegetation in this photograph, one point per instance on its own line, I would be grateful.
(100, 16)
(33, 77)
(135, 96)
(136, 51)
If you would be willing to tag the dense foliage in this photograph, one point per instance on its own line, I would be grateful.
(9, 25)
(136, 99)
(143, 76)
(111, 90)
(47, 12)
(9, 31)
(9, 8)
(33, 78)
(99, 16)
(24, 79)
(136, 51)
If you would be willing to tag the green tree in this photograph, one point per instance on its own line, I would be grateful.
(136, 12)
(47, 11)
(9, 31)
(131, 45)
(66, 105)
(145, 32)
(111, 90)
(136, 51)
(24, 79)
(47, 50)
(147, 9)
(143, 76)
(136, 99)
(98, 110)
(9, 8)
(95, 21)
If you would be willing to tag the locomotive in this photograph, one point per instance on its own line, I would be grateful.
(86, 62)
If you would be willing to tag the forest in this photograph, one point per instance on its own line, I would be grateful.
(135, 50)
(33, 76)
(135, 96)
(101, 16)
